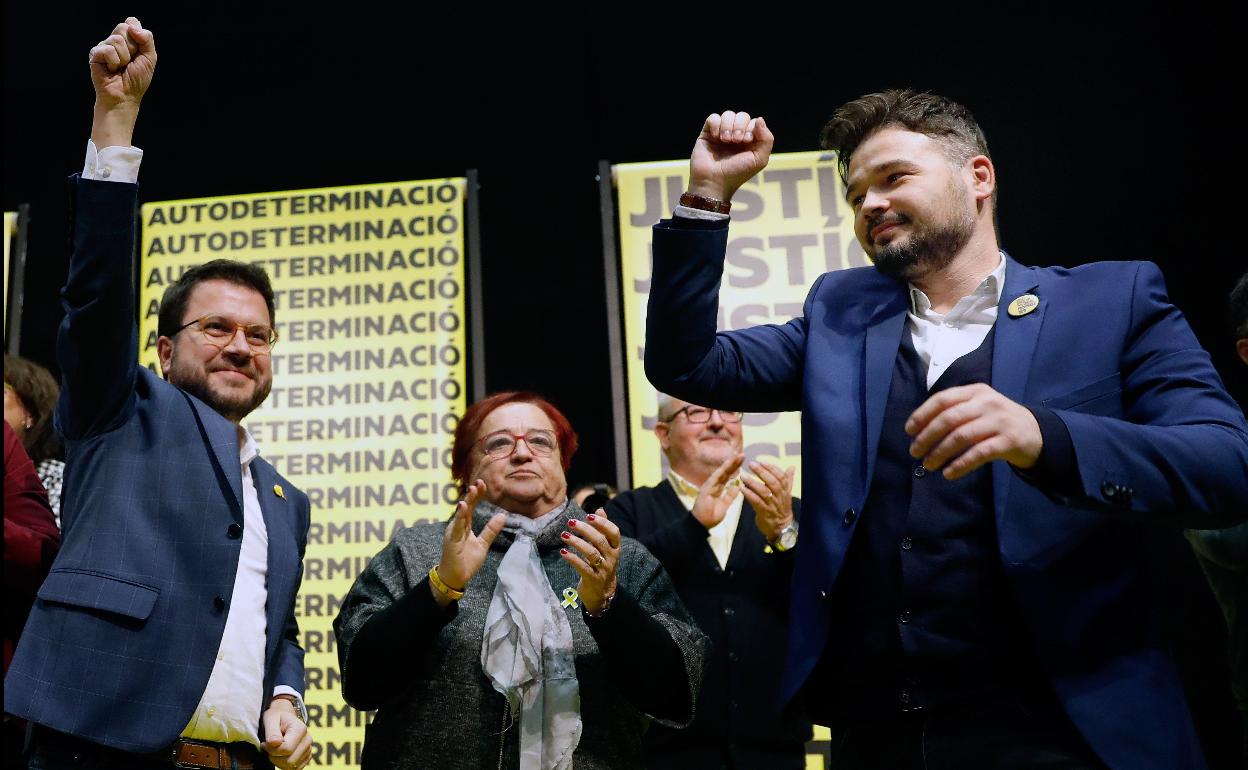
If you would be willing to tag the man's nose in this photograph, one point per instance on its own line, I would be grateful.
(238, 344)
(873, 203)
(716, 420)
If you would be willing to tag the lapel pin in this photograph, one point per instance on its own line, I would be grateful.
(277, 490)
(1023, 305)
(569, 598)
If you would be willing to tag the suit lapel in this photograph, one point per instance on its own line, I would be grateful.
(1014, 346)
(882, 341)
(741, 538)
(281, 568)
(222, 438)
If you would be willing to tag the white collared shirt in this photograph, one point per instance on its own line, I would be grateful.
(230, 707)
(719, 536)
(940, 339)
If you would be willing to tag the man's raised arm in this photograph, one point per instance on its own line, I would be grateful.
(756, 369)
(97, 346)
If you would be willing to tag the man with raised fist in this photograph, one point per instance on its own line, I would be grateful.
(165, 633)
(982, 442)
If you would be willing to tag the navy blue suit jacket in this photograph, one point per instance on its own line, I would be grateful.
(1156, 439)
(125, 631)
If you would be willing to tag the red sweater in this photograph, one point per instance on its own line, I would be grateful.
(30, 538)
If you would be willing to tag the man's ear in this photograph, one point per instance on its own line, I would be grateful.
(662, 432)
(164, 351)
(983, 177)
(1241, 347)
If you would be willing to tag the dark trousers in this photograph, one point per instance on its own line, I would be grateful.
(1001, 732)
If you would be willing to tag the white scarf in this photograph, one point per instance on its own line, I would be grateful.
(526, 650)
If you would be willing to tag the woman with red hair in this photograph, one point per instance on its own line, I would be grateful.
(523, 632)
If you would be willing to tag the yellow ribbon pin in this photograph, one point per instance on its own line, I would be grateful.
(277, 490)
(1023, 305)
(569, 598)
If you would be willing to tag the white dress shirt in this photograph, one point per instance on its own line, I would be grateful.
(941, 339)
(720, 536)
(230, 708)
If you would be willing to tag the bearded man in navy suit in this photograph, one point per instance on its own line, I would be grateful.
(165, 633)
(984, 444)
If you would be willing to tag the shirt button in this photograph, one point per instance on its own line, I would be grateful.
(919, 471)
(903, 616)
(106, 172)
(234, 531)
(221, 655)
(212, 710)
(906, 544)
(218, 603)
(849, 517)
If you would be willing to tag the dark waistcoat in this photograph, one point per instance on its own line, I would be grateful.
(920, 614)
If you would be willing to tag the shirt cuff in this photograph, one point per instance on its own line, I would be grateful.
(686, 212)
(283, 689)
(112, 164)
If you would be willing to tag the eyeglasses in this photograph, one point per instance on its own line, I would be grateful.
(502, 444)
(698, 414)
(220, 330)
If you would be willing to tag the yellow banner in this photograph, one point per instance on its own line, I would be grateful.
(369, 374)
(10, 233)
(790, 224)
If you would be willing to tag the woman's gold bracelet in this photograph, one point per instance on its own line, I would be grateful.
(441, 585)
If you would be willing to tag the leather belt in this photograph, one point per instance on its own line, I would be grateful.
(206, 755)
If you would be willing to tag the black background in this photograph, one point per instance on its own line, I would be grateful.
(1111, 130)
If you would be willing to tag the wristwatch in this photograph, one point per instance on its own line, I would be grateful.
(300, 709)
(787, 539)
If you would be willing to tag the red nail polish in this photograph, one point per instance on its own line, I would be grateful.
(571, 522)
(590, 517)
(563, 551)
(566, 535)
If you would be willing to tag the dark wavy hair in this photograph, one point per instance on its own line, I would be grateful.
(173, 303)
(942, 119)
(38, 390)
(466, 431)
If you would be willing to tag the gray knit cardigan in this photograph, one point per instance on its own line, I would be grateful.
(451, 717)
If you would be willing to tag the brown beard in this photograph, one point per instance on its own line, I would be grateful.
(232, 409)
(930, 247)
(927, 250)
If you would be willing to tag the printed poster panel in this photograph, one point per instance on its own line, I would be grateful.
(369, 375)
(789, 225)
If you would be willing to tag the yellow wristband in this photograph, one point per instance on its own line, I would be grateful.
(441, 585)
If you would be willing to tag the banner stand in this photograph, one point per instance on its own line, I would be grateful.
(615, 322)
